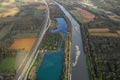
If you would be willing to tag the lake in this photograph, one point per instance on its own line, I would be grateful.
(52, 65)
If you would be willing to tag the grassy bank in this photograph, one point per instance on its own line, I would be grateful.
(67, 59)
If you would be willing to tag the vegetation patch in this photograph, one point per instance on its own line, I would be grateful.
(1, 5)
(79, 17)
(7, 65)
(5, 30)
(53, 23)
(37, 12)
(52, 42)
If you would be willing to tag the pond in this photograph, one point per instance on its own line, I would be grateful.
(52, 65)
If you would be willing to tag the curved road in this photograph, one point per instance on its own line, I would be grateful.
(79, 69)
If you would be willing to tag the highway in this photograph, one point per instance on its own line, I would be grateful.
(79, 69)
(35, 51)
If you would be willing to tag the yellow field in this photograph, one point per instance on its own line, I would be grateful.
(24, 43)
(99, 30)
(9, 12)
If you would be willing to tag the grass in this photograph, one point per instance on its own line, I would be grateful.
(7, 65)
(1, 5)
(80, 18)
(95, 10)
(37, 12)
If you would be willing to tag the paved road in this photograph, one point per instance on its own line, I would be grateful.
(79, 69)
(34, 52)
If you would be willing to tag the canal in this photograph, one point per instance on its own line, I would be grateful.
(52, 65)
(79, 69)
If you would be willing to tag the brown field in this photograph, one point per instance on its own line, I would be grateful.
(87, 15)
(113, 17)
(24, 43)
(107, 34)
(9, 12)
(99, 30)
(41, 7)
(118, 31)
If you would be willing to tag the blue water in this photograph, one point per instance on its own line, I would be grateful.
(61, 27)
(52, 65)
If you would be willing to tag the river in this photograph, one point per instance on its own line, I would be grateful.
(80, 69)
(52, 65)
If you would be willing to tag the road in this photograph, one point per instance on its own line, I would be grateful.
(34, 51)
(79, 69)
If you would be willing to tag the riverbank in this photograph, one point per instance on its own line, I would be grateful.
(67, 58)
(32, 73)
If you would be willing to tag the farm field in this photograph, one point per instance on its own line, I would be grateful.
(20, 25)
(87, 16)
(82, 15)
(23, 44)
(98, 30)
(5, 30)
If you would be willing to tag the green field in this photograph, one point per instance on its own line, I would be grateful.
(37, 12)
(1, 5)
(7, 65)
